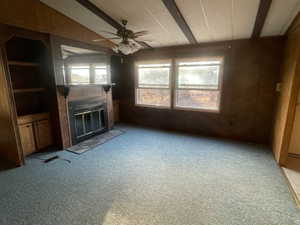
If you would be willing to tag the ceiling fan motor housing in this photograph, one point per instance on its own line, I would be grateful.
(125, 34)
(124, 22)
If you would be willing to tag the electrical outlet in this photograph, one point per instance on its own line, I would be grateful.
(278, 87)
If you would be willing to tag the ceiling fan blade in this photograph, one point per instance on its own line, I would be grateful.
(142, 43)
(106, 39)
(142, 32)
(138, 35)
(143, 40)
(111, 33)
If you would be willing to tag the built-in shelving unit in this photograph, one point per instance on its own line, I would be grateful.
(27, 72)
(29, 75)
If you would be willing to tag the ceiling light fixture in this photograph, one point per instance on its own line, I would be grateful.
(127, 47)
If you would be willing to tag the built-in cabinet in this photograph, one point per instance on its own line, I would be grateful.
(27, 138)
(35, 132)
(43, 136)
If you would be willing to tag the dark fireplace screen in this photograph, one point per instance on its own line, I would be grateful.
(87, 118)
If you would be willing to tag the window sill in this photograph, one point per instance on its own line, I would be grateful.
(85, 85)
(152, 106)
(215, 111)
(179, 109)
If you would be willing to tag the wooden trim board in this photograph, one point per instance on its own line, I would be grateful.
(292, 174)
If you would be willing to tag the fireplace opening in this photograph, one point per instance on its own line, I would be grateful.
(88, 122)
(87, 118)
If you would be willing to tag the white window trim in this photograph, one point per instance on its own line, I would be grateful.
(92, 67)
(136, 83)
(220, 82)
(173, 83)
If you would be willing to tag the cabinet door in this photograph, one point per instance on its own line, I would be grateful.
(43, 134)
(27, 138)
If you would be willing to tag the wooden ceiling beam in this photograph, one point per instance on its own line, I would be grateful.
(94, 9)
(261, 16)
(174, 11)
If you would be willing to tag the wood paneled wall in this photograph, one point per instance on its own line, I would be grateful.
(34, 15)
(251, 71)
(294, 146)
(290, 79)
(9, 142)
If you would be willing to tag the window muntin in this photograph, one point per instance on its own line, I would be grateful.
(153, 84)
(198, 84)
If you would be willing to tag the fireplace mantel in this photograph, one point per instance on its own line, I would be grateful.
(65, 89)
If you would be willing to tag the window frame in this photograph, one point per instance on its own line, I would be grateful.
(136, 82)
(93, 67)
(220, 83)
(173, 83)
(92, 73)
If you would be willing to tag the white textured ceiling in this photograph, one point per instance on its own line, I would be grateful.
(209, 20)
(280, 16)
(215, 20)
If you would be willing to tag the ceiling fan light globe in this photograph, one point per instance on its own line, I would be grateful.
(125, 48)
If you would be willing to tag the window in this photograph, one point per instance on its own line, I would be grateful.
(88, 74)
(198, 84)
(153, 84)
(101, 76)
(80, 74)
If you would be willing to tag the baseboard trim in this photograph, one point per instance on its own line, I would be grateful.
(295, 196)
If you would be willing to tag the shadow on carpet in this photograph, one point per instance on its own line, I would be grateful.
(94, 141)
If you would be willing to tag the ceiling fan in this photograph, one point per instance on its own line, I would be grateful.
(129, 42)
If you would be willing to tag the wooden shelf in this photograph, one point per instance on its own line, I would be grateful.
(29, 90)
(20, 63)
